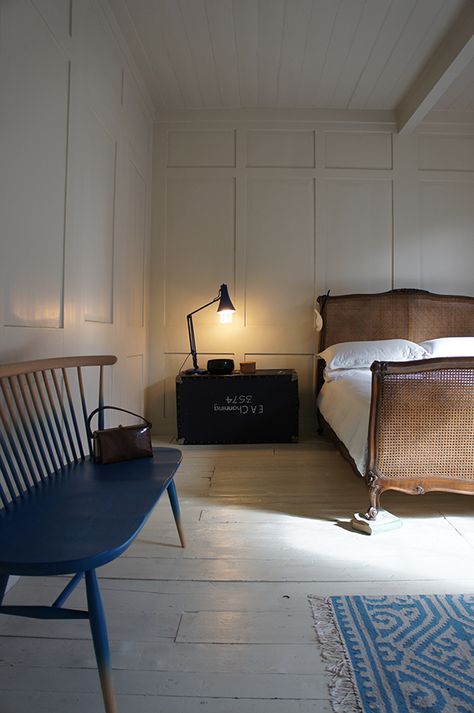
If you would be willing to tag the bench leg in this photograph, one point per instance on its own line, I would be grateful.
(173, 496)
(3, 585)
(99, 637)
(67, 591)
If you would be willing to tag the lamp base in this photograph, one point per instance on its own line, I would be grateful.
(196, 370)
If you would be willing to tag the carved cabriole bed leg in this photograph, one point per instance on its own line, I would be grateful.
(376, 519)
(374, 496)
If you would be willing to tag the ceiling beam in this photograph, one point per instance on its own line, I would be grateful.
(445, 65)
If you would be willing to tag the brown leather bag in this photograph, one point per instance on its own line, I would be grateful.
(111, 445)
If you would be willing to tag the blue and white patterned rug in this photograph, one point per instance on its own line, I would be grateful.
(398, 654)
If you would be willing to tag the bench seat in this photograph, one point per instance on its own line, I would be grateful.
(84, 516)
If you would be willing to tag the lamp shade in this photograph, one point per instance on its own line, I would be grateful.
(225, 303)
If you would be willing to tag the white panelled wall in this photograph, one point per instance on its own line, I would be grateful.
(75, 190)
(280, 206)
(283, 211)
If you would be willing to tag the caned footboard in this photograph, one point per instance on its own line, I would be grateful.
(421, 429)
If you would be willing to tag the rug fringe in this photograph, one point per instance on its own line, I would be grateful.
(344, 696)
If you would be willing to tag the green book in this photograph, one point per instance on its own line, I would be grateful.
(384, 522)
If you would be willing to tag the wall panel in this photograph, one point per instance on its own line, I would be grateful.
(136, 247)
(445, 153)
(369, 150)
(102, 64)
(33, 145)
(446, 237)
(139, 125)
(99, 221)
(132, 396)
(200, 244)
(201, 148)
(57, 15)
(280, 252)
(280, 148)
(355, 247)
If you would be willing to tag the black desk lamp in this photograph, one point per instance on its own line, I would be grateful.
(225, 310)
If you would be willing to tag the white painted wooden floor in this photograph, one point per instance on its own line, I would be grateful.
(224, 626)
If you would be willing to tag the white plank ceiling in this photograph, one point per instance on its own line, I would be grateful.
(404, 56)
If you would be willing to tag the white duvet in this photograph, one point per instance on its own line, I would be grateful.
(344, 402)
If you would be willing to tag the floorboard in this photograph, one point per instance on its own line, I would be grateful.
(224, 626)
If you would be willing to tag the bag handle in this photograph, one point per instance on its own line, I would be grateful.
(114, 408)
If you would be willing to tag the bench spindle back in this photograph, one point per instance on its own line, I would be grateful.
(43, 415)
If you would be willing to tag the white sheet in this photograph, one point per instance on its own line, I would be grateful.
(344, 403)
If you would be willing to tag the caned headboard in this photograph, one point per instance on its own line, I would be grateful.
(404, 314)
(398, 314)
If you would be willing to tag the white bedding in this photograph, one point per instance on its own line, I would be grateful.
(344, 402)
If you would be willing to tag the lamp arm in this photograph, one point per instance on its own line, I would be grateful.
(204, 306)
(192, 338)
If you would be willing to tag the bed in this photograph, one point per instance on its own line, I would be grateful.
(407, 423)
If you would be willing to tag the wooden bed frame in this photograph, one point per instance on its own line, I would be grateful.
(421, 427)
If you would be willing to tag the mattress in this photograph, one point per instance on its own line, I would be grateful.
(344, 403)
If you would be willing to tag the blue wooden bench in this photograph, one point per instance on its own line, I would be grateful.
(61, 514)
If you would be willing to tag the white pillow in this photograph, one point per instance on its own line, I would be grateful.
(449, 347)
(357, 355)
